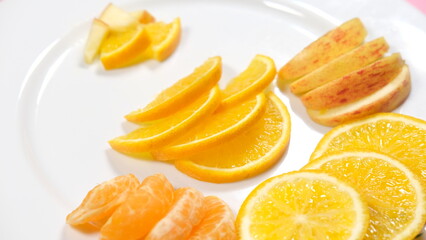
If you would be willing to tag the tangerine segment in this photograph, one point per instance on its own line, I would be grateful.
(174, 98)
(164, 39)
(400, 136)
(395, 195)
(161, 132)
(102, 200)
(246, 155)
(252, 81)
(120, 49)
(217, 223)
(333, 44)
(303, 205)
(186, 212)
(136, 216)
(224, 124)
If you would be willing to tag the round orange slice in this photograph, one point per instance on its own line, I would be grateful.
(164, 39)
(218, 222)
(121, 49)
(252, 81)
(136, 216)
(246, 155)
(180, 94)
(159, 133)
(186, 212)
(224, 124)
(102, 200)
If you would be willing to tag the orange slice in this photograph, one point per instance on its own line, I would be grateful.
(102, 200)
(224, 124)
(303, 205)
(246, 155)
(143, 16)
(186, 212)
(164, 39)
(159, 133)
(136, 216)
(174, 98)
(395, 196)
(252, 81)
(120, 49)
(400, 136)
(218, 222)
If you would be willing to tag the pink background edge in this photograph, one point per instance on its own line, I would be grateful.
(420, 4)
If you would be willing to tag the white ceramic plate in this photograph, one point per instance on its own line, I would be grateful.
(55, 144)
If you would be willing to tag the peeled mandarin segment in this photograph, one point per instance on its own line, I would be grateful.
(223, 125)
(246, 155)
(218, 222)
(102, 200)
(349, 62)
(326, 48)
(181, 93)
(135, 217)
(159, 133)
(395, 196)
(164, 38)
(186, 212)
(143, 16)
(252, 81)
(303, 206)
(385, 99)
(399, 136)
(120, 49)
(355, 85)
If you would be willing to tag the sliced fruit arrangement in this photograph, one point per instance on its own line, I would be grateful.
(188, 125)
(338, 78)
(153, 209)
(380, 159)
(120, 38)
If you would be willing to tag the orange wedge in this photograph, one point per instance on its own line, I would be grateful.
(102, 200)
(218, 222)
(143, 16)
(186, 212)
(224, 124)
(121, 49)
(174, 98)
(258, 75)
(136, 216)
(246, 155)
(159, 133)
(164, 39)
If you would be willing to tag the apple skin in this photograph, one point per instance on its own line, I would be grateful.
(355, 85)
(384, 100)
(326, 48)
(98, 32)
(349, 62)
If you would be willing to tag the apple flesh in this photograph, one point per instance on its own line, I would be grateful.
(98, 32)
(143, 16)
(326, 48)
(384, 100)
(355, 85)
(117, 18)
(349, 62)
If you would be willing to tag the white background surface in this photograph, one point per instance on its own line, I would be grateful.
(58, 113)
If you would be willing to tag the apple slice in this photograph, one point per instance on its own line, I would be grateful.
(386, 99)
(349, 62)
(355, 85)
(117, 18)
(98, 32)
(143, 16)
(326, 48)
